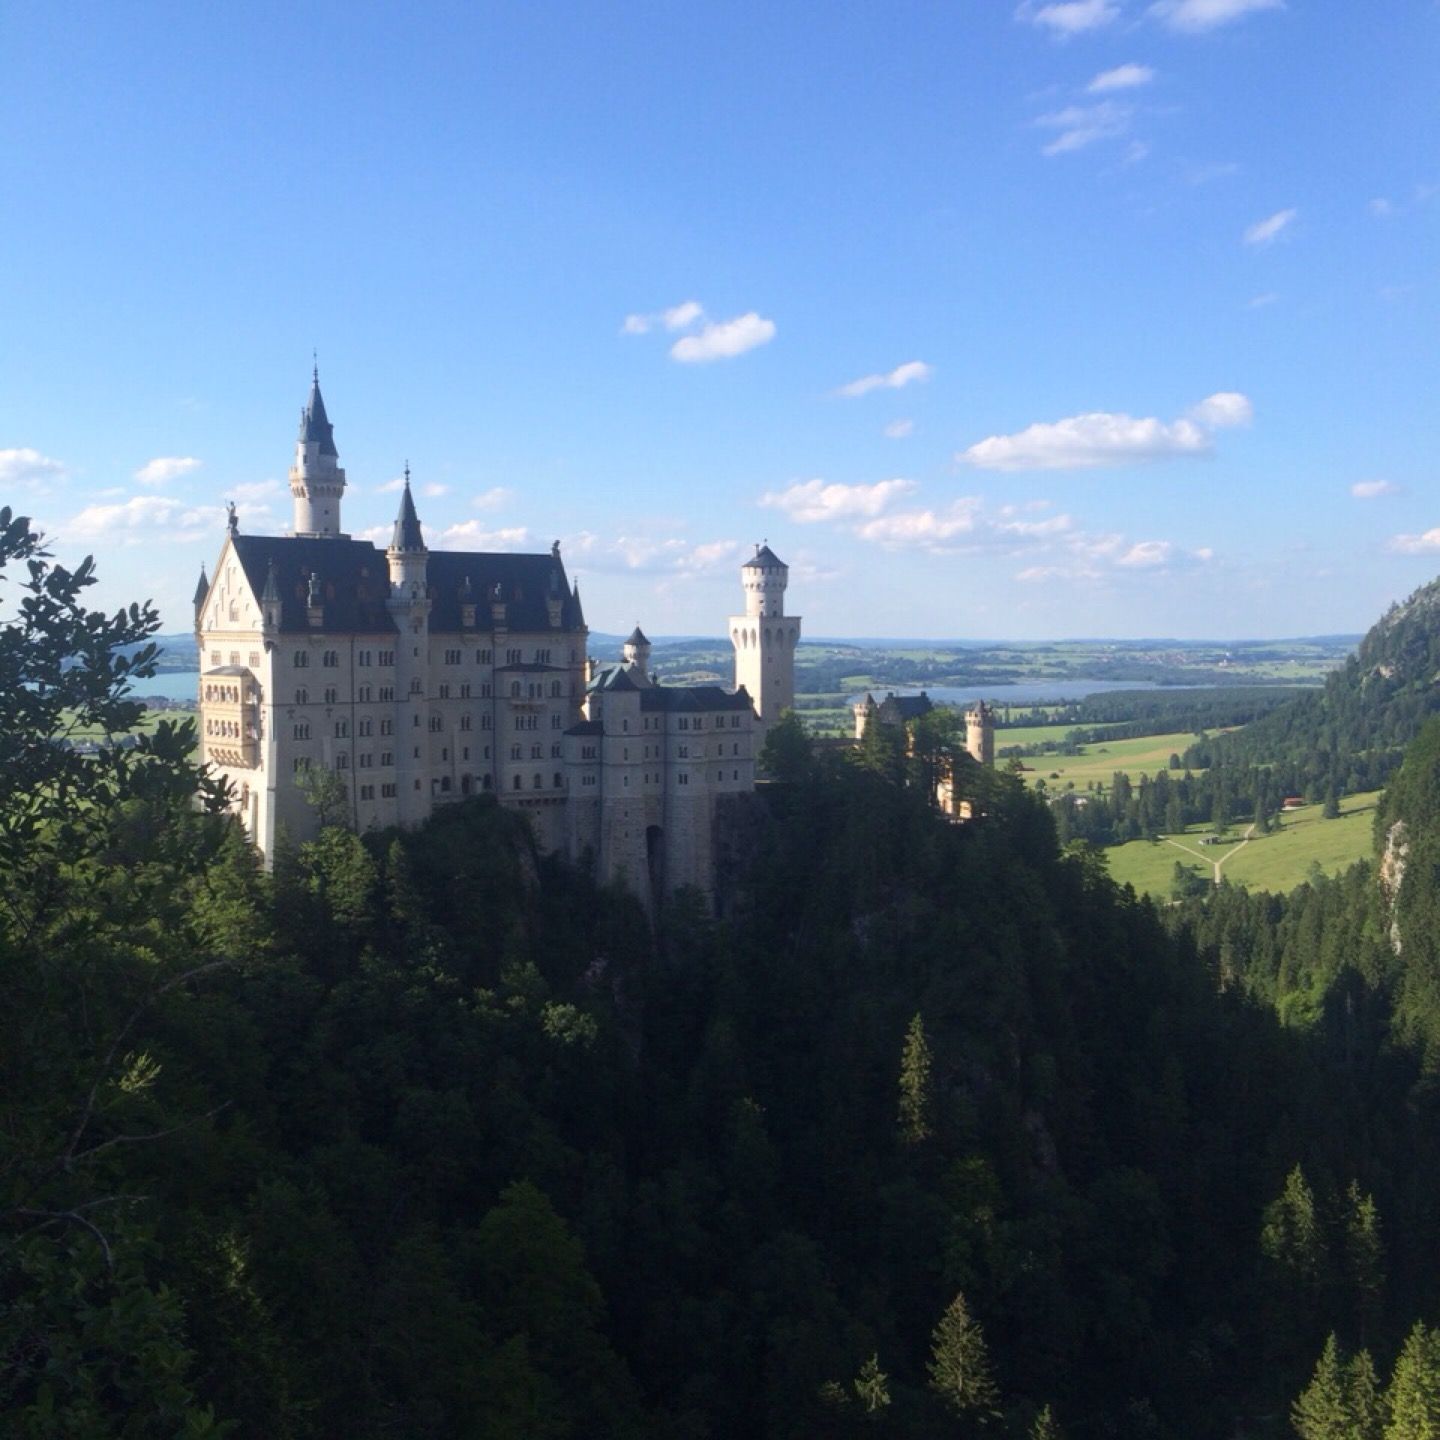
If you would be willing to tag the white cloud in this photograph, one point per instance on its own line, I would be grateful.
(434, 490)
(493, 498)
(1147, 555)
(1264, 232)
(144, 519)
(165, 468)
(1416, 544)
(471, 535)
(677, 317)
(28, 469)
(391, 487)
(1084, 442)
(1373, 489)
(1381, 208)
(899, 429)
(256, 490)
(724, 339)
(1069, 17)
(896, 379)
(654, 555)
(1122, 77)
(811, 501)
(1258, 302)
(1135, 152)
(1196, 16)
(1082, 125)
(1223, 410)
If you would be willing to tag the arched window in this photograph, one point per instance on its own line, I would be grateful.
(516, 784)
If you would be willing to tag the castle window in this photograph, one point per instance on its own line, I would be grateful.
(465, 753)
(587, 752)
(556, 722)
(445, 753)
(342, 761)
(515, 784)
(435, 724)
(684, 723)
(482, 657)
(342, 729)
(215, 658)
(484, 722)
(302, 732)
(485, 783)
(330, 694)
(387, 692)
(234, 657)
(444, 692)
(452, 657)
(512, 657)
(486, 752)
(465, 722)
(302, 696)
(330, 659)
(484, 689)
(367, 792)
(684, 778)
(515, 689)
(542, 657)
(387, 759)
(535, 752)
(254, 659)
(363, 657)
(516, 752)
(735, 748)
(363, 694)
(465, 691)
(366, 761)
(415, 754)
(387, 792)
(554, 689)
(387, 657)
(684, 752)
(300, 763)
(415, 686)
(557, 779)
(444, 782)
(699, 722)
(387, 727)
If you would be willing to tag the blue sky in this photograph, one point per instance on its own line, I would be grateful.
(1098, 317)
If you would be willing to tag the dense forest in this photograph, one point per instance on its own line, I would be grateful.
(937, 1132)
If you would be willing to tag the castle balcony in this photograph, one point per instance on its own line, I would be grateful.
(230, 717)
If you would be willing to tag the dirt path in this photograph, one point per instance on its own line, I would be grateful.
(1206, 860)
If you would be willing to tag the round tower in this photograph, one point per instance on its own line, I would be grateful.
(409, 607)
(636, 654)
(316, 480)
(980, 733)
(765, 637)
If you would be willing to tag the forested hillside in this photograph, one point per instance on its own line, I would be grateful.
(937, 1133)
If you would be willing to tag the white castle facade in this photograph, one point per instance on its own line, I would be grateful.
(422, 677)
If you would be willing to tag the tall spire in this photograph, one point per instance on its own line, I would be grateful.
(316, 480)
(407, 523)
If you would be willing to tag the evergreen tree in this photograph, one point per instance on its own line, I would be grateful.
(1045, 1427)
(1413, 1399)
(916, 1120)
(1364, 1257)
(1323, 1410)
(960, 1363)
(1290, 1237)
(1367, 1405)
(872, 1386)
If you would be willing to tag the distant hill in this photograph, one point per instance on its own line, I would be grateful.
(1351, 732)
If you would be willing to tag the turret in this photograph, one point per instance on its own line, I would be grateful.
(270, 601)
(316, 480)
(409, 607)
(765, 577)
(407, 554)
(202, 593)
(980, 733)
(636, 654)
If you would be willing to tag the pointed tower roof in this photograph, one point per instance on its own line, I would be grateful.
(407, 523)
(314, 423)
(637, 637)
(575, 616)
(271, 593)
(762, 557)
(202, 588)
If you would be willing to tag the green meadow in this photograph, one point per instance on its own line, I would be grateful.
(1278, 861)
(1096, 762)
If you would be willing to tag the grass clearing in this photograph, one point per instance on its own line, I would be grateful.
(1100, 761)
(1278, 861)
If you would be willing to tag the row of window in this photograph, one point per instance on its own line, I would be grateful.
(235, 658)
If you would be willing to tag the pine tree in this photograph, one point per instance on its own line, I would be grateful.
(1413, 1399)
(1367, 1406)
(872, 1386)
(1045, 1427)
(1323, 1410)
(1364, 1256)
(1290, 1237)
(915, 1102)
(960, 1363)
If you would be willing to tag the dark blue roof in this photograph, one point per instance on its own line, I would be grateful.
(407, 523)
(763, 559)
(315, 424)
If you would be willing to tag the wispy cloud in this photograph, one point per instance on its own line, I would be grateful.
(165, 468)
(255, 490)
(809, 501)
(1373, 489)
(896, 379)
(148, 519)
(1102, 438)
(434, 490)
(670, 556)
(1424, 544)
(1258, 302)
(1266, 231)
(676, 317)
(1194, 17)
(899, 429)
(1082, 125)
(1122, 77)
(1064, 18)
(724, 339)
(391, 487)
(27, 469)
(1381, 208)
(493, 498)
(472, 535)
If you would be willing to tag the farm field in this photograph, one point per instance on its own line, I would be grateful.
(1279, 861)
(1143, 756)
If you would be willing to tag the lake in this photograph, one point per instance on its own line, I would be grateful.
(1023, 693)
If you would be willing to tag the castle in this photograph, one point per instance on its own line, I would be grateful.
(419, 677)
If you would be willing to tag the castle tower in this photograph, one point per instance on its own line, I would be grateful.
(636, 655)
(980, 733)
(765, 637)
(316, 480)
(409, 606)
